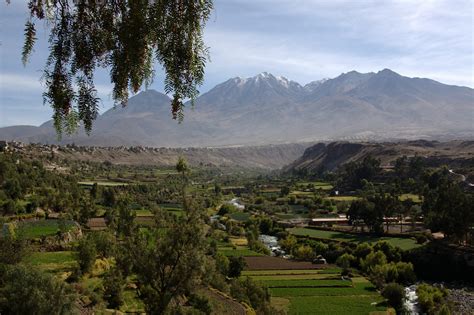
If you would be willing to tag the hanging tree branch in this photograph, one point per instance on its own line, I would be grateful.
(125, 36)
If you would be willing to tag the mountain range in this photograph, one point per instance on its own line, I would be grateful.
(271, 109)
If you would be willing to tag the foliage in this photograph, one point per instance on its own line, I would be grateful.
(113, 288)
(446, 207)
(86, 254)
(395, 295)
(125, 36)
(236, 265)
(12, 250)
(168, 261)
(431, 298)
(304, 252)
(372, 260)
(249, 291)
(27, 291)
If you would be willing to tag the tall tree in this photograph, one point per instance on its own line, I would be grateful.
(124, 36)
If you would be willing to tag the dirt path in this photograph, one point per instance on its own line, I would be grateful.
(231, 307)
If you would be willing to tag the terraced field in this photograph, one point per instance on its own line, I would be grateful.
(39, 228)
(237, 251)
(318, 291)
(403, 243)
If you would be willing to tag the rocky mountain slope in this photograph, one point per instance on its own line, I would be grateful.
(269, 109)
(267, 157)
(330, 156)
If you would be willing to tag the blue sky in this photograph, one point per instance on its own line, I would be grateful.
(303, 40)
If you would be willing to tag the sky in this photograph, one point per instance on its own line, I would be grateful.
(303, 40)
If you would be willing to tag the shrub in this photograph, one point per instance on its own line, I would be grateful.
(431, 298)
(345, 261)
(27, 291)
(304, 252)
(113, 288)
(373, 259)
(236, 265)
(86, 253)
(395, 295)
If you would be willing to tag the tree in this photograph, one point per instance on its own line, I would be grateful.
(284, 191)
(373, 259)
(236, 265)
(447, 208)
(113, 288)
(24, 290)
(395, 295)
(86, 253)
(126, 218)
(12, 250)
(125, 36)
(168, 260)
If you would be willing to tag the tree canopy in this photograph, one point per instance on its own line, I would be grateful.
(125, 37)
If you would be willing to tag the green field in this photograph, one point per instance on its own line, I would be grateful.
(317, 185)
(102, 183)
(240, 216)
(342, 305)
(171, 206)
(363, 289)
(403, 243)
(36, 229)
(309, 276)
(277, 272)
(52, 261)
(342, 198)
(305, 283)
(239, 251)
(413, 197)
(318, 292)
(143, 213)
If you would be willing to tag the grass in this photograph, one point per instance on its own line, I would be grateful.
(37, 229)
(52, 261)
(342, 198)
(313, 276)
(241, 241)
(102, 183)
(171, 206)
(230, 252)
(343, 305)
(413, 197)
(291, 272)
(364, 289)
(317, 185)
(305, 283)
(143, 213)
(289, 216)
(403, 243)
(131, 303)
(240, 216)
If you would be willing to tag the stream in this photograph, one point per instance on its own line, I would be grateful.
(411, 302)
(271, 242)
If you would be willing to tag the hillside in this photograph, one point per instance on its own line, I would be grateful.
(269, 109)
(261, 157)
(331, 156)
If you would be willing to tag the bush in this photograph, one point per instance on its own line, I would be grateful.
(304, 252)
(431, 298)
(395, 295)
(86, 253)
(27, 291)
(345, 261)
(236, 265)
(227, 208)
(200, 303)
(373, 259)
(113, 288)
